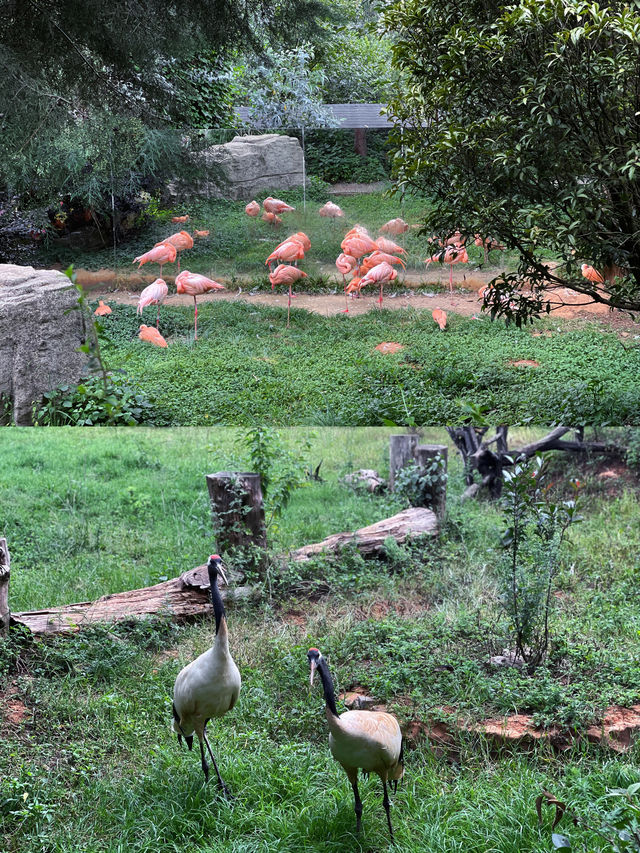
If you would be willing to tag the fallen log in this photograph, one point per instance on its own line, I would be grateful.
(182, 598)
(405, 525)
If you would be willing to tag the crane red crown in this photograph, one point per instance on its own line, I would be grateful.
(313, 649)
(215, 557)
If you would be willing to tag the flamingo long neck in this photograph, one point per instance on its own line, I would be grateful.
(329, 692)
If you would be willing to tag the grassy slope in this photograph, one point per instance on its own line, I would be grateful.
(247, 367)
(238, 245)
(97, 763)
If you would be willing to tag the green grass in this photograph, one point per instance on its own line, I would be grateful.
(87, 512)
(247, 367)
(237, 246)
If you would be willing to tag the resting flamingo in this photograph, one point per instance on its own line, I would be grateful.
(331, 210)
(195, 285)
(376, 258)
(395, 226)
(252, 209)
(102, 310)
(275, 205)
(271, 218)
(153, 336)
(154, 294)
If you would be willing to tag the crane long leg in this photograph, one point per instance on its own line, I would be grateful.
(221, 784)
(195, 302)
(358, 802)
(205, 766)
(385, 802)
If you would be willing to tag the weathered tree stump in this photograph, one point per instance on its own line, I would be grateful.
(238, 516)
(5, 568)
(401, 451)
(425, 454)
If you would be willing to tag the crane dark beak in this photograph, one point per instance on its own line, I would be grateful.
(314, 666)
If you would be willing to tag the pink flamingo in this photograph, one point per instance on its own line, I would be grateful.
(331, 210)
(252, 209)
(274, 205)
(162, 253)
(380, 274)
(487, 244)
(290, 250)
(395, 226)
(153, 336)
(450, 255)
(357, 245)
(390, 247)
(195, 285)
(153, 294)
(376, 258)
(285, 274)
(592, 274)
(181, 240)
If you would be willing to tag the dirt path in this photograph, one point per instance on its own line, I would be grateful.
(328, 305)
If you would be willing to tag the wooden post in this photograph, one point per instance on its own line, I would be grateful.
(238, 516)
(424, 455)
(5, 564)
(401, 451)
(360, 141)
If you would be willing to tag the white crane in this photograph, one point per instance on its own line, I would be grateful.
(208, 686)
(367, 740)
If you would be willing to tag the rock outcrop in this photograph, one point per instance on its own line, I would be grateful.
(39, 336)
(242, 168)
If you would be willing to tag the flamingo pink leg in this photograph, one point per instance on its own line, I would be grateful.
(451, 279)
(380, 300)
(195, 302)
(158, 317)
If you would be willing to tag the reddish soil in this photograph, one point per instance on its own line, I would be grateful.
(464, 302)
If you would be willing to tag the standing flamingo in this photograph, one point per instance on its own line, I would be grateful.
(289, 250)
(388, 246)
(487, 244)
(153, 294)
(380, 274)
(162, 253)
(592, 274)
(357, 245)
(376, 258)
(285, 274)
(181, 240)
(195, 285)
(450, 255)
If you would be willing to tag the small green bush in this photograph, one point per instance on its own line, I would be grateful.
(117, 402)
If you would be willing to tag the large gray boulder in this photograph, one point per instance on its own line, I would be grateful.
(240, 169)
(39, 336)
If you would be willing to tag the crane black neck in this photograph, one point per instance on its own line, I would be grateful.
(216, 598)
(327, 683)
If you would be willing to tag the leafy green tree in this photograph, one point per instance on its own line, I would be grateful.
(522, 123)
(66, 64)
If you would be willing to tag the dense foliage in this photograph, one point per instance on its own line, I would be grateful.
(522, 123)
(68, 66)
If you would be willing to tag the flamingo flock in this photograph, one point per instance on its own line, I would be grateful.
(363, 261)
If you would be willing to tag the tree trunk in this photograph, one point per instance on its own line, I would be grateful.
(401, 452)
(360, 141)
(182, 599)
(238, 517)
(424, 454)
(405, 525)
(5, 564)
